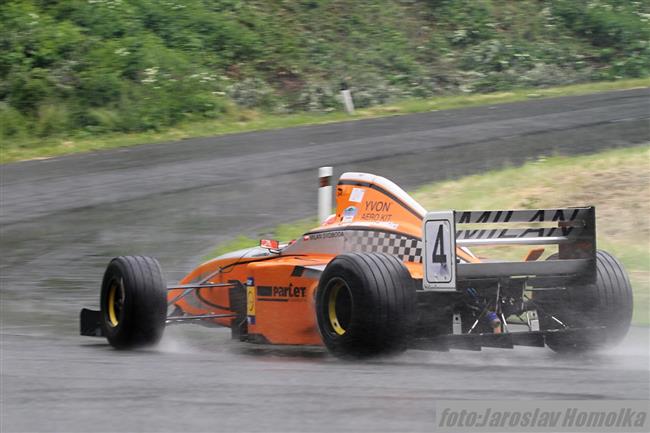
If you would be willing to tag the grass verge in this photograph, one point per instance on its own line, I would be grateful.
(617, 182)
(244, 121)
(283, 232)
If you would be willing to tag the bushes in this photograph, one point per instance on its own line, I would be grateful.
(468, 21)
(12, 124)
(615, 23)
(131, 65)
(619, 29)
(53, 118)
(252, 93)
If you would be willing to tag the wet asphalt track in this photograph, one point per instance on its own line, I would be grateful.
(62, 220)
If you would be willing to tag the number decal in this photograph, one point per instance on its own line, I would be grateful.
(440, 251)
(439, 255)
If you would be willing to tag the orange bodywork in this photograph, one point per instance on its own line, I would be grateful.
(280, 306)
(372, 214)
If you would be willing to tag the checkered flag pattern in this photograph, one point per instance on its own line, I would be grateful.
(407, 248)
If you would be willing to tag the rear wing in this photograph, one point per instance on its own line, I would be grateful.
(573, 230)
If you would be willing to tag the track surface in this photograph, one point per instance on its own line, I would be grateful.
(62, 220)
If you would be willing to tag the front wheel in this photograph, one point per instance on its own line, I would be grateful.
(365, 305)
(133, 302)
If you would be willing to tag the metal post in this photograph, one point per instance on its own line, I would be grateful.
(347, 101)
(324, 193)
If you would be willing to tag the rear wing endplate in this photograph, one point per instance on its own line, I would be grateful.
(572, 229)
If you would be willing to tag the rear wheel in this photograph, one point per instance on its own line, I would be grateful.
(365, 305)
(133, 302)
(606, 304)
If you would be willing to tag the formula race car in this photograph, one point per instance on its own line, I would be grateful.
(382, 275)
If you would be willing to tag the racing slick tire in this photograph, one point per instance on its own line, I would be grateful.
(365, 305)
(607, 304)
(133, 302)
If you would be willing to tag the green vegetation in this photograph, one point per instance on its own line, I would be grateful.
(617, 182)
(250, 120)
(76, 70)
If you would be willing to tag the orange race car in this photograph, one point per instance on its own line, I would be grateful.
(381, 275)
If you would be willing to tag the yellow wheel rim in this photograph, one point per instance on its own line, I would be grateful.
(331, 309)
(112, 311)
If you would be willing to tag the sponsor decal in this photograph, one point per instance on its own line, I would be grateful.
(566, 215)
(327, 235)
(289, 292)
(378, 206)
(250, 303)
(357, 195)
(349, 213)
(558, 215)
(281, 293)
(377, 210)
(486, 216)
